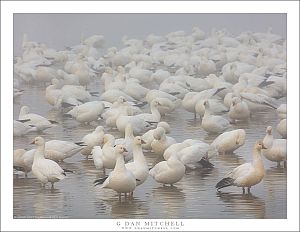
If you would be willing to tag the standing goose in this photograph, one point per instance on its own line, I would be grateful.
(120, 179)
(127, 142)
(247, 174)
(139, 166)
(275, 148)
(44, 169)
(281, 128)
(161, 142)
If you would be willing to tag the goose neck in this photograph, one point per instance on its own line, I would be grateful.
(120, 163)
(138, 154)
(257, 160)
(39, 152)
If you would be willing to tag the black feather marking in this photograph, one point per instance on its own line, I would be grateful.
(137, 180)
(100, 181)
(52, 121)
(141, 104)
(66, 105)
(18, 168)
(219, 90)
(174, 93)
(265, 83)
(68, 115)
(225, 182)
(205, 163)
(64, 173)
(151, 122)
(23, 120)
(66, 170)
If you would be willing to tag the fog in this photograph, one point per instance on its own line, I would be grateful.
(60, 30)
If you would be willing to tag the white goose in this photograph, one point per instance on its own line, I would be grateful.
(161, 142)
(44, 169)
(87, 112)
(281, 111)
(281, 128)
(168, 172)
(139, 166)
(148, 136)
(238, 110)
(21, 128)
(216, 106)
(276, 149)
(58, 150)
(229, 141)
(120, 179)
(247, 174)
(36, 120)
(213, 123)
(93, 139)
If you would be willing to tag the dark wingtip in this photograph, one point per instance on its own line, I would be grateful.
(205, 163)
(52, 121)
(23, 120)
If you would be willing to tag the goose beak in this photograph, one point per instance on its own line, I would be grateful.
(125, 150)
(143, 142)
(263, 146)
(32, 142)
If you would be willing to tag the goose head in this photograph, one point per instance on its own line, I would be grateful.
(24, 110)
(235, 100)
(38, 141)
(138, 140)
(155, 103)
(120, 149)
(269, 130)
(158, 133)
(107, 138)
(164, 125)
(206, 104)
(259, 145)
(99, 129)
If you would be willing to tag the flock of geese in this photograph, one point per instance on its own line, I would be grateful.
(218, 77)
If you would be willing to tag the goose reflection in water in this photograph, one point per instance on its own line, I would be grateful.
(168, 199)
(129, 208)
(242, 205)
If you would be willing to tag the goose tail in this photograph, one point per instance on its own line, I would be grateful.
(100, 181)
(225, 182)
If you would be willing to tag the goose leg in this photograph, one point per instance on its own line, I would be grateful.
(278, 164)
(125, 195)
(249, 190)
(26, 174)
(195, 115)
(119, 196)
(52, 185)
(284, 164)
(243, 190)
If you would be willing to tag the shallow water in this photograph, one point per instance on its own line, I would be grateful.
(193, 197)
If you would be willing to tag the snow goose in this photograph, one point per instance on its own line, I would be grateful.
(93, 139)
(281, 111)
(21, 128)
(154, 116)
(58, 150)
(44, 169)
(23, 162)
(196, 155)
(87, 112)
(258, 101)
(120, 179)
(213, 123)
(35, 120)
(276, 149)
(139, 166)
(161, 142)
(216, 107)
(139, 125)
(148, 136)
(112, 95)
(154, 93)
(281, 128)
(247, 174)
(229, 141)
(168, 172)
(238, 110)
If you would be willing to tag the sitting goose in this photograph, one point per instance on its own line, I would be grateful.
(93, 139)
(247, 174)
(238, 110)
(168, 172)
(213, 123)
(161, 142)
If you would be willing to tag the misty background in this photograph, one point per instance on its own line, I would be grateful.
(60, 30)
